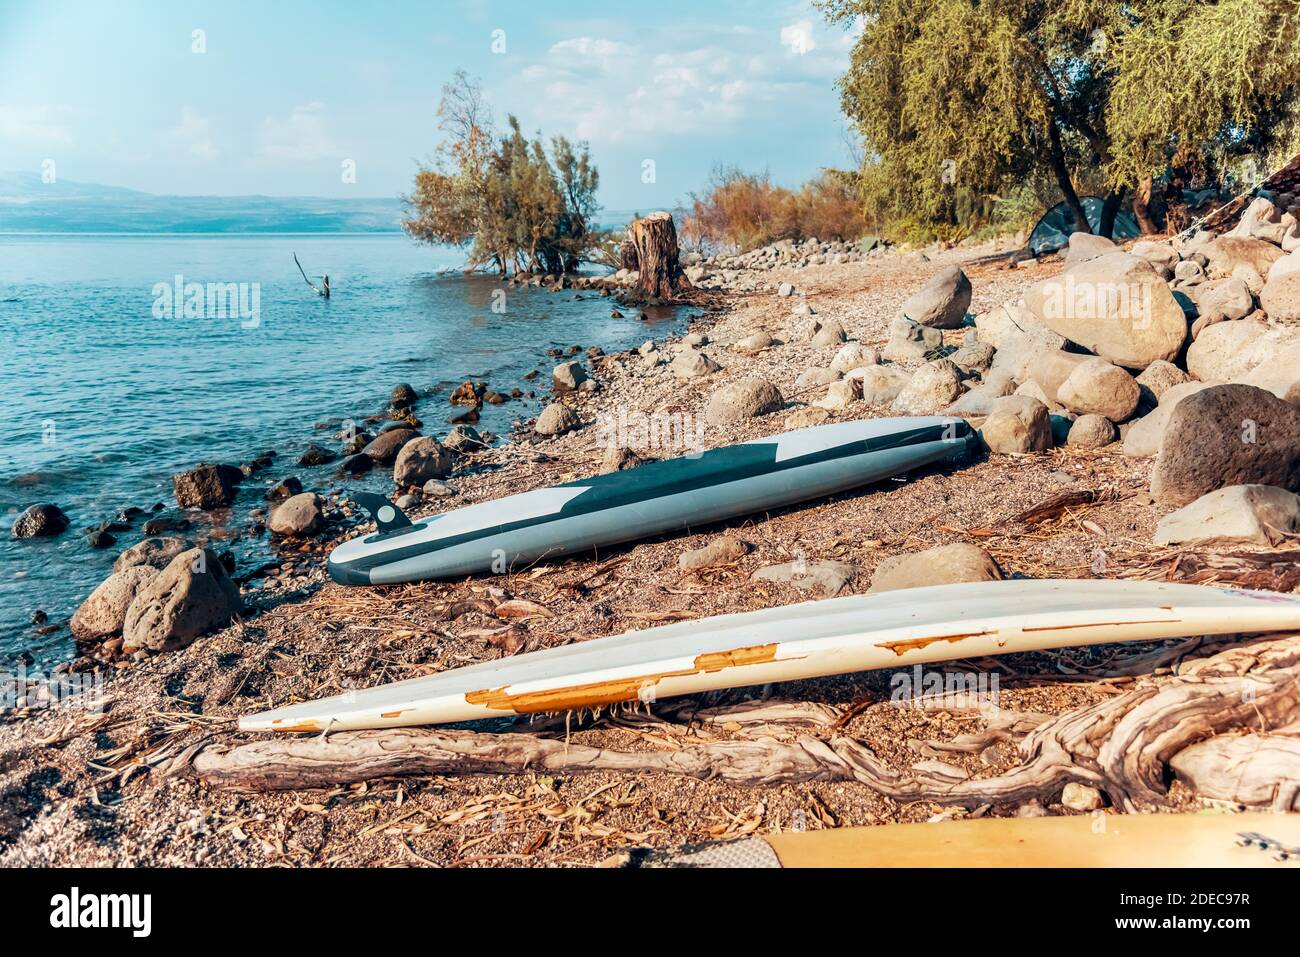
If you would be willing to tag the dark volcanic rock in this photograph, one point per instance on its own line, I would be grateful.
(387, 444)
(208, 486)
(316, 455)
(1227, 435)
(42, 520)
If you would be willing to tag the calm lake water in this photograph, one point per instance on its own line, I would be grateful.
(107, 389)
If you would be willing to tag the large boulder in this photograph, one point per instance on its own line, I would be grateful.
(42, 520)
(1249, 351)
(852, 356)
(385, 446)
(1116, 306)
(189, 597)
(942, 302)
(1227, 435)
(1084, 247)
(1226, 253)
(1018, 337)
(742, 399)
(932, 388)
(422, 459)
(1144, 436)
(944, 565)
(1158, 378)
(881, 384)
(910, 341)
(209, 486)
(568, 377)
(1091, 432)
(840, 395)
(1280, 297)
(693, 364)
(1051, 370)
(1018, 424)
(104, 612)
(1230, 297)
(556, 419)
(1237, 514)
(1100, 387)
(298, 516)
(154, 552)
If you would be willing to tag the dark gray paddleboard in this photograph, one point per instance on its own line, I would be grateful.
(651, 499)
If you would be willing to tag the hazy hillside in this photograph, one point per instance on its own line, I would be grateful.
(28, 205)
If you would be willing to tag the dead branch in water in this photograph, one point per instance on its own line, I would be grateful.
(1122, 746)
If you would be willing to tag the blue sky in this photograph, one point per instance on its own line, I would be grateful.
(285, 92)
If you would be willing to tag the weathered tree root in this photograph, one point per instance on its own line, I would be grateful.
(1122, 746)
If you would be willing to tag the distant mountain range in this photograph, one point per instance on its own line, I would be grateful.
(29, 205)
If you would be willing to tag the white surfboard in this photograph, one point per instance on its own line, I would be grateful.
(896, 629)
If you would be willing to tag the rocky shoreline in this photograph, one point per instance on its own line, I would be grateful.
(809, 334)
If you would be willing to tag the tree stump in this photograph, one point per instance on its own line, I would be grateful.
(654, 242)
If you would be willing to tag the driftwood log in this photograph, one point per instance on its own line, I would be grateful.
(1123, 746)
(651, 250)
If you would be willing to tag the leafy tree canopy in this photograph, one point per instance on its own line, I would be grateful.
(973, 96)
(515, 205)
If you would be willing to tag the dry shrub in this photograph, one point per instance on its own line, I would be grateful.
(743, 211)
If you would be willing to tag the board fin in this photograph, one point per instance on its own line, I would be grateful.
(386, 516)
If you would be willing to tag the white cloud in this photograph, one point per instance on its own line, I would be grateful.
(32, 125)
(193, 135)
(798, 36)
(302, 136)
(610, 91)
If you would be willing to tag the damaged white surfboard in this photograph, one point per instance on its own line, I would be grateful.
(809, 640)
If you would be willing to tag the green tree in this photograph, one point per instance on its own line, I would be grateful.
(958, 97)
(501, 194)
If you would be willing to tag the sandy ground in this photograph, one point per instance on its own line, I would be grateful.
(81, 789)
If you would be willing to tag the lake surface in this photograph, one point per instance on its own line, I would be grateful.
(107, 388)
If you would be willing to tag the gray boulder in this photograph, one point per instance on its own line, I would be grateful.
(568, 377)
(1280, 297)
(1144, 436)
(932, 388)
(1237, 514)
(1100, 387)
(1018, 424)
(103, 613)
(743, 399)
(155, 552)
(1091, 432)
(881, 384)
(385, 446)
(943, 565)
(556, 419)
(421, 459)
(1116, 306)
(298, 516)
(1084, 247)
(189, 597)
(942, 302)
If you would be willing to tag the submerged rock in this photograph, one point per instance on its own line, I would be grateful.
(209, 486)
(43, 520)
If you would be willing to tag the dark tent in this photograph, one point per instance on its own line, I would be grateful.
(1053, 230)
